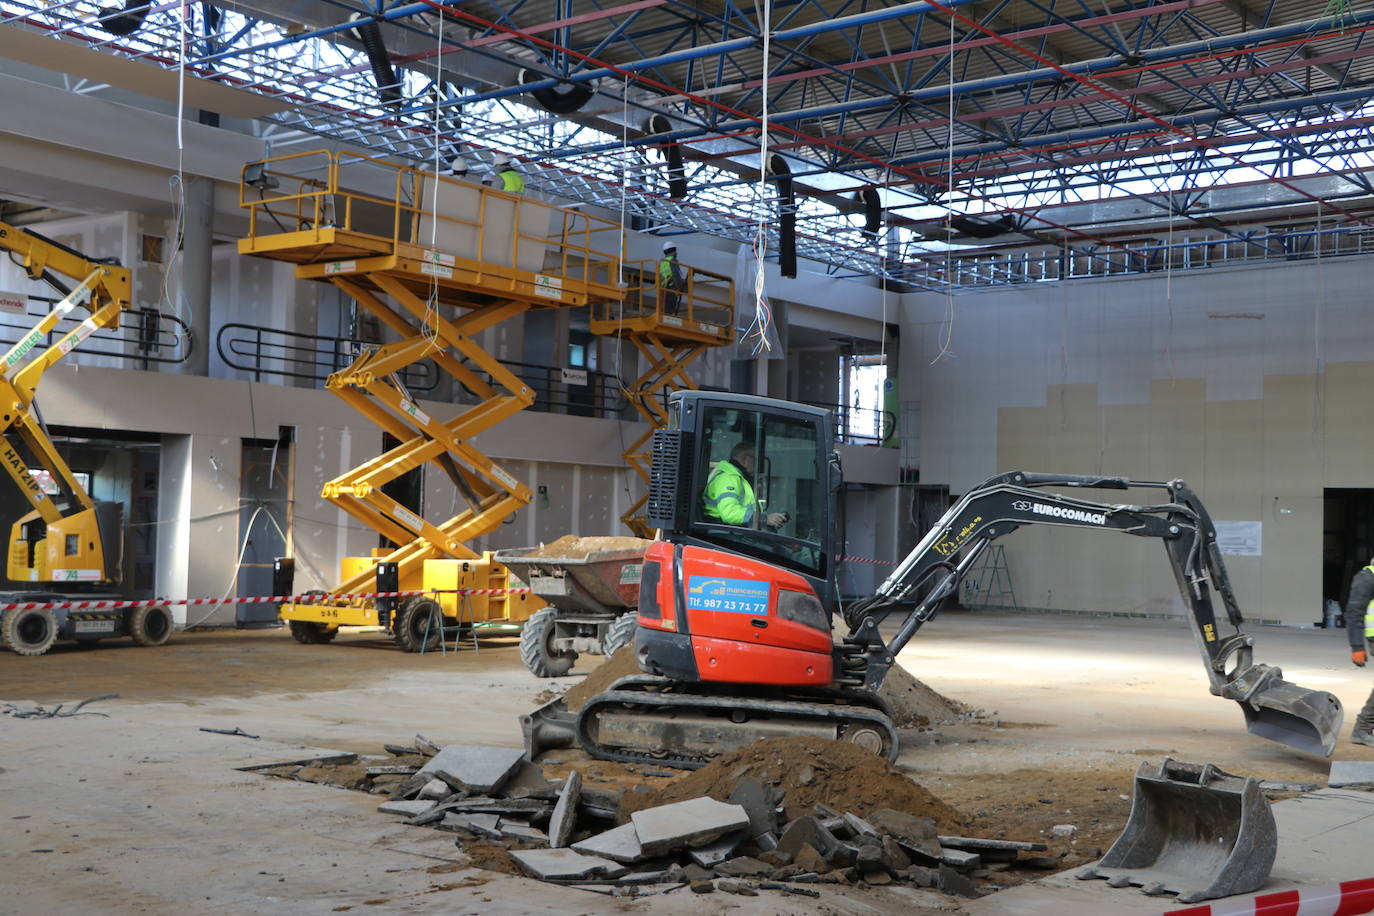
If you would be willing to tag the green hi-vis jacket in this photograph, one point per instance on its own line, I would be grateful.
(729, 497)
(1359, 608)
(512, 182)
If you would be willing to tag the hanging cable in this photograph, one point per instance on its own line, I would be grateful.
(429, 324)
(946, 336)
(758, 328)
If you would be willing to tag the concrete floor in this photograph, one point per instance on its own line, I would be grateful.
(142, 812)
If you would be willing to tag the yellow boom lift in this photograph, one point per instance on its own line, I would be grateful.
(67, 539)
(437, 261)
(670, 333)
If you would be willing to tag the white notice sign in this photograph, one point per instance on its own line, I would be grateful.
(1240, 539)
(15, 303)
(574, 376)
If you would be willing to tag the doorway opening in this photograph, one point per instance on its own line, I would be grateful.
(1347, 541)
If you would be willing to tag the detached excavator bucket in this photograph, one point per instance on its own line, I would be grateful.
(1194, 831)
(1309, 720)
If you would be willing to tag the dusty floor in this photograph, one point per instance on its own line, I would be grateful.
(143, 812)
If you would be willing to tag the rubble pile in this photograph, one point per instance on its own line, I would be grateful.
(782, 814)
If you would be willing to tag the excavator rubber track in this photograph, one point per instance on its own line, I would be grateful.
(645, 719)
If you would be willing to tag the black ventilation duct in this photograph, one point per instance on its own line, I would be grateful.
(787, 216)
(128, 20)
(672, 152)
(370, 34)
(981, 228)
(873, 210)
(562, 97)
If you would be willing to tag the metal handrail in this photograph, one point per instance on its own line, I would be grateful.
(274, 353)
(149, 331)
(850, 425)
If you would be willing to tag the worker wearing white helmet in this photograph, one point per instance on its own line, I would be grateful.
(671, 283)
(457, 167)
(508, 177)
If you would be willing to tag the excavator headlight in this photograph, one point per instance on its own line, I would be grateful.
(800, 607)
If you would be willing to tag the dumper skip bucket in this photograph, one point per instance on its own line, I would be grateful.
(1194, 831)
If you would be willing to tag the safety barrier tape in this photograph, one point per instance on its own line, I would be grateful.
(108, 605)
(1348, 898)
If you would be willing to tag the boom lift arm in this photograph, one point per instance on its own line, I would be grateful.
(1274, 708)
(77, 540)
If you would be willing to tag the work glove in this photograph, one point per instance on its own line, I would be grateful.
(776, 520)
(1358, 657)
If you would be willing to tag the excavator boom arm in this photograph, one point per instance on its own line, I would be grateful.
(934, 568)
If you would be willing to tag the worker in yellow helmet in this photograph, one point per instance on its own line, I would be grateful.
(508, 177)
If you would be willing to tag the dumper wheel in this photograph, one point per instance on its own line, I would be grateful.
(418, 625)
(30, 632)
(309, 633)
(150, 625)
(620, 633)
(536, 646)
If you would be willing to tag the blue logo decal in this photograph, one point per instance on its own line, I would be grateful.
(740, 596)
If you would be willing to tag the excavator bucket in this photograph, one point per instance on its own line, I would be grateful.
(1309, 720)
(1194, 831)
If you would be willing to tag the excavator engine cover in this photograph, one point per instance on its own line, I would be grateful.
(1194, 831)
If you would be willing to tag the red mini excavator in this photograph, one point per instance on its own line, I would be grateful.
(734, 639)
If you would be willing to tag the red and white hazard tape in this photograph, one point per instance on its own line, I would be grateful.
(107, 605)
(1348, 898)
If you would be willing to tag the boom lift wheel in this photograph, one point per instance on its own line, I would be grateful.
(620, 633)
(150, 625)
(30, 632)
(418, 625)
(536, 646)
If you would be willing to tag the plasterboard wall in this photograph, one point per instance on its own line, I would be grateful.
(1252, 384)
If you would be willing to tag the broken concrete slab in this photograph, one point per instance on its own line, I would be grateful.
(426, 746)
(619, 845)
(736, 887)
(487, 825)
(406, 808)
(565, 812)
(528, 782)
(756, 798)
(532, 808)
(1351, 773)
(391, 769)
(858, 827)
(807, 831)
(961, 859)
(524, 833)
(951, 882)
(743, 867)
(714, 853)
(981, 843)
(914, 833)
(435, 790)
(686, 823)
(474, 767)
(565, 864)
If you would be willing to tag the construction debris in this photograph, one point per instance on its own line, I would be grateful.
(34, 711)
(1349, 773)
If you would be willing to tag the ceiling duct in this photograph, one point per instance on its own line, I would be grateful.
(126, 21)
(873, 210)
(787, 216)
(383, 74)
(672, 153)
(562, 97)
(982, 228)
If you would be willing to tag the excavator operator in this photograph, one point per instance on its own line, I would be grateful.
(729, 495)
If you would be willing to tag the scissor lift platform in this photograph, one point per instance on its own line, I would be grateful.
(437, 261)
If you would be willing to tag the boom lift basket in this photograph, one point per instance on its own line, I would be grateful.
(1194, 831)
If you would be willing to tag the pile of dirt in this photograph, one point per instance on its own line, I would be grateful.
(621, 664)
(810, 772)
(914, 705)
(572, 546)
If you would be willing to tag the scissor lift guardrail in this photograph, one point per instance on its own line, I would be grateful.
(437, 261)
(669, 336)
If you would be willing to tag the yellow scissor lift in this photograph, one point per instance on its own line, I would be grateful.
(437, 261)
(669, 336)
